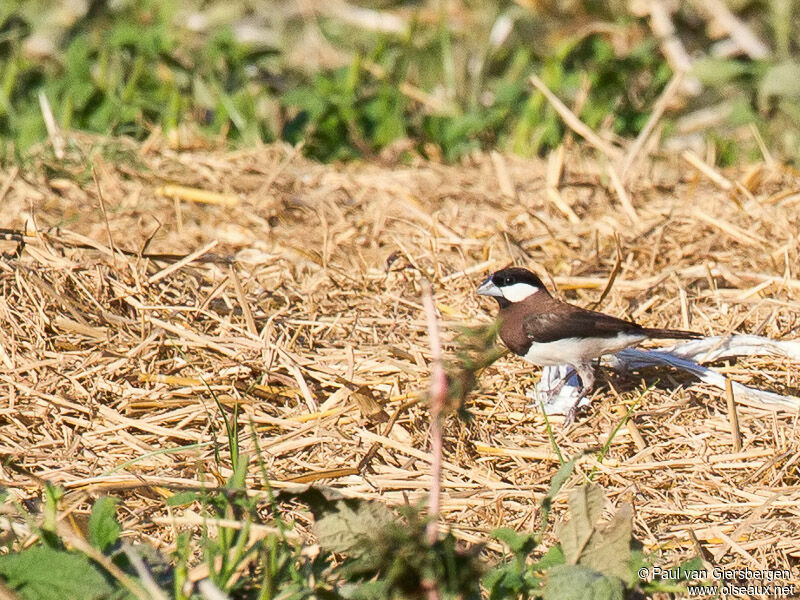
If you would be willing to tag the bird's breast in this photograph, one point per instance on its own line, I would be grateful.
(574, 351)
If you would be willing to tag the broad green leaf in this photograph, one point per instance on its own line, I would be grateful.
(601, 547)
(42, 573)
(237, 480)
(203, 96)
(104, 529)
(516, 542)
(505, 576)
(693, 564)
(346, 529)
(609, 548)
(715, 72)
(184, 498)
(576, 582)
(561, 476)
(306, 98)
(553, 557)
(391, 121)
(781, 81)
(585, 507)
(364, 591)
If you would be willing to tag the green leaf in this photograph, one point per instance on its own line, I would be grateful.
(41, 573)
(585, 507)
(498, 576)
(306, 98)
(781, 81)
(715, 72)
(53, 495)
(365, 591)
(104, 529)
(601, 547)
(609, 549)
(506, 581)
(346, 529)
(203, 96)
(553, 557)
(237, 480)
(516, 542)
(691, 565)
(556, 483)
(576, 582)
(184, 498)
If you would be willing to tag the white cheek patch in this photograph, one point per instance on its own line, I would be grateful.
(518, 292)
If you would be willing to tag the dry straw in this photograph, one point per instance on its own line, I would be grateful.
(307, 289)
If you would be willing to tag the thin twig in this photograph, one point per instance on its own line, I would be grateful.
(669, 42)
(12, 175)
(715, 176)
(733, 416)
(240, 296)
(145, 577)
(503, 178)
(373, 450)
(555, 166)
(718, 12)
(574, 123)
(622, 194)
(103, 209)
(52, 127)
(612, 277)
(182, 262)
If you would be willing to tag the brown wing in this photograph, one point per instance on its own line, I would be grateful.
(576, 322)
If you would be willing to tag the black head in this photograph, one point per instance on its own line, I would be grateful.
(510, 285)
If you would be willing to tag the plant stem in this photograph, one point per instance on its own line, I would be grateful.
(438, 394)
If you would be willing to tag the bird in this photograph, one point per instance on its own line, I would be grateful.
(549, 332)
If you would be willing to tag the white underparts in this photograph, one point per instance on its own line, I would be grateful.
(518, 292)
(577, 351)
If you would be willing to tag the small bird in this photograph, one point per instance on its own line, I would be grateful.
(549, 332)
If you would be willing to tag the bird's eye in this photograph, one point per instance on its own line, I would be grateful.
(508, 281)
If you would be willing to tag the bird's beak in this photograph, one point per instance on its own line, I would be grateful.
(488, 288)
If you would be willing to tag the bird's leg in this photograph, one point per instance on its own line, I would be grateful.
(557, 389)
(586, 374)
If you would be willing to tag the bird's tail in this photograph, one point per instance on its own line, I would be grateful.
(675, 334)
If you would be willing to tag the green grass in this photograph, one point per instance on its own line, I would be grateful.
(126, 72)
(129, 68)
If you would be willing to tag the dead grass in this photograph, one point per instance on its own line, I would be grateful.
(308, 286)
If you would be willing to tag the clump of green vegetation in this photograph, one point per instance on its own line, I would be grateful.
(367, 550)
(436, 87)
(351, 111)
(126, 71)
(129, 69)
(389, 558)
(475, 349)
